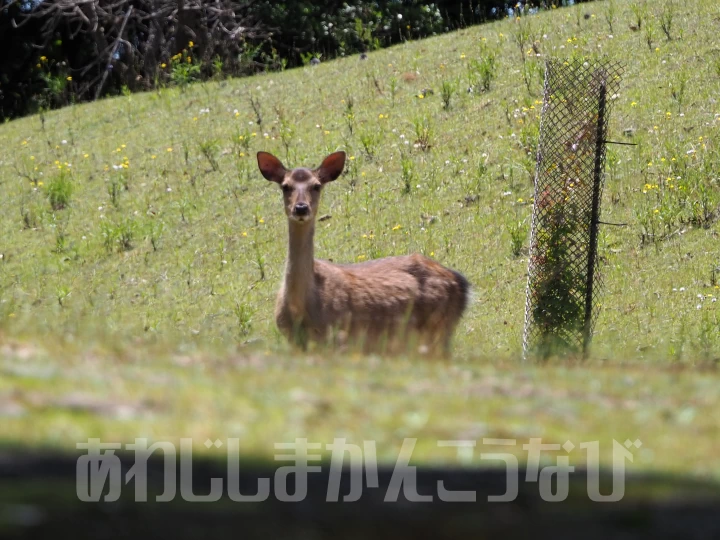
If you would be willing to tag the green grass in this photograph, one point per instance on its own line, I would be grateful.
(137, 298)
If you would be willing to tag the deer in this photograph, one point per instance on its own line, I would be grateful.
(386, 305)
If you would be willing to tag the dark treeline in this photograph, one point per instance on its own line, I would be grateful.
(57, 52)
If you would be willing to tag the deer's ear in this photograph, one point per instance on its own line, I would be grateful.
(271, 167)
(331, 167)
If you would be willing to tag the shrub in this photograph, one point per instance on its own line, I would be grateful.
(447, 91)
(482, 72)
(59, 190)
(118, 236)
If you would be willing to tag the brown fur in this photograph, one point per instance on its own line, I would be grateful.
(409, 76)
(385, 304)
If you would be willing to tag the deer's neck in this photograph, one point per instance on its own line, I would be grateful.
(299, 275)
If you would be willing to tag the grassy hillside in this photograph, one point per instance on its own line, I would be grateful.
(142, 250)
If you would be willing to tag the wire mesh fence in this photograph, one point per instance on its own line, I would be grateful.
(563, 278)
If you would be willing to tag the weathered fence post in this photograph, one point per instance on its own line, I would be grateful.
(595, 215)
(563, 280)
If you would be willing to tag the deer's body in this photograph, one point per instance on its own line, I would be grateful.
(382, 305)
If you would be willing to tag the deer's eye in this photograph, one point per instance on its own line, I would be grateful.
(286, 188)
(316, 187)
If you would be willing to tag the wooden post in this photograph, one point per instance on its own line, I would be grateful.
(595, 215)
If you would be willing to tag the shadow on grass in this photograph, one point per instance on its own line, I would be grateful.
(38, 499)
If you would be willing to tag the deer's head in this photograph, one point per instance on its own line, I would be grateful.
(301, 186)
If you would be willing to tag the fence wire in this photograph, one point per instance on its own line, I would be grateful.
(563, 279)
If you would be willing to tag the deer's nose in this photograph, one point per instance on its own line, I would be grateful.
(301, 209)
